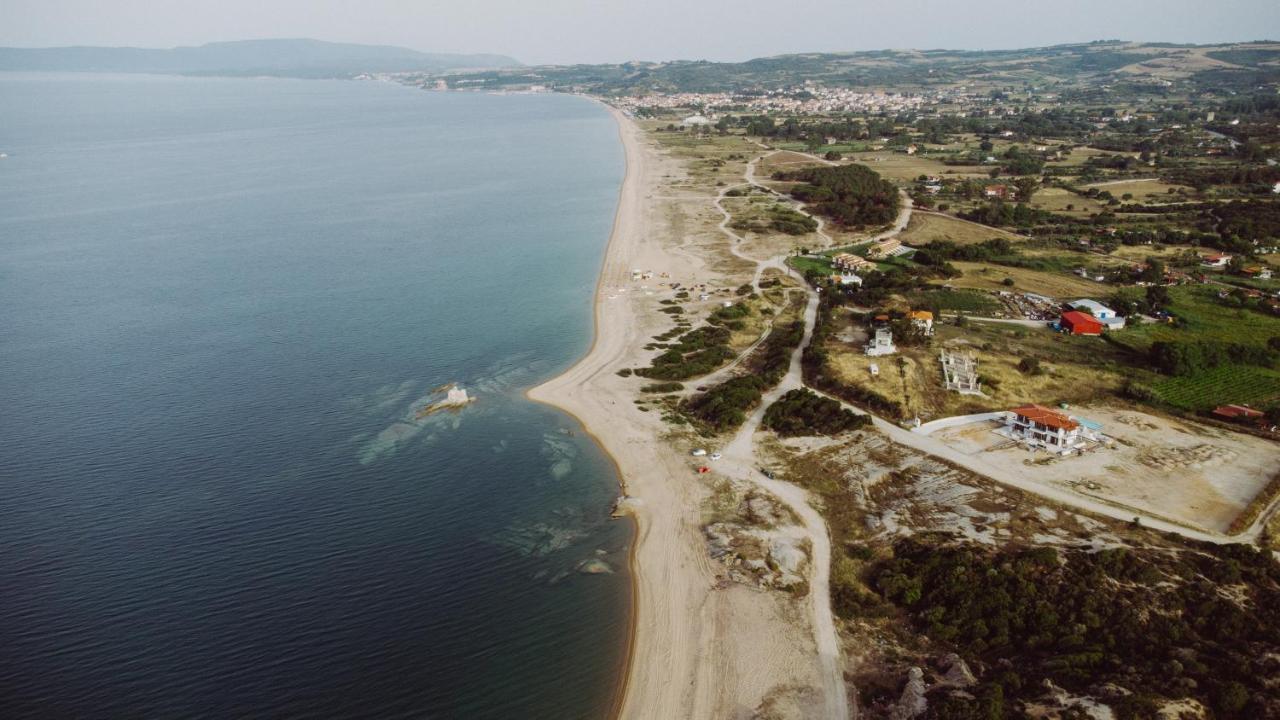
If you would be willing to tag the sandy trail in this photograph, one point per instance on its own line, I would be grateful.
(740, 461)
(697, 651)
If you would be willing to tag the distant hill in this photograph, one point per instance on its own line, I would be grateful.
(283, 58)
(1234, 65)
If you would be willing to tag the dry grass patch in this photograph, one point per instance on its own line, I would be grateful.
(902, 167)
(1056, 200)
(783, 161)
(983, 276)
(1144, 191)
(926, 228)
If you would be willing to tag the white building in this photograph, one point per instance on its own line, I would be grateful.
(696, 121)
(922, 319)
(881, 343)
(1042, 427)
(1100, 312)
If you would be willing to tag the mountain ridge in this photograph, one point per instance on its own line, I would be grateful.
(284, 57)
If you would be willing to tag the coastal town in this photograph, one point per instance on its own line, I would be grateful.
(843, 360)
(981, 323)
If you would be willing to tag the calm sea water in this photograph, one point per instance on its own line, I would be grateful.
(221, 302)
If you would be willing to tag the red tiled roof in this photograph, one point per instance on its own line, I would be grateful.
(1046, 417)
(1236, 411)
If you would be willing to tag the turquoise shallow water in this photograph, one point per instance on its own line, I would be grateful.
(222, 302)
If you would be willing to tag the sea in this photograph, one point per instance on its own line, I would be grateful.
(224, 305)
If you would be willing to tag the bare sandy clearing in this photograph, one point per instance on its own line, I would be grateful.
(1185, 472)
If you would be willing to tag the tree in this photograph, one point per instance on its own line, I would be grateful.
(1157, 297)
(1231, 698)
(1153, 272)
(1027, 187)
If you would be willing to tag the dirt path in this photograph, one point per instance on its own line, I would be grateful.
(739, 461)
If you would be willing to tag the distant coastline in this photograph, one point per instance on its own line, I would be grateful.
(288, 58)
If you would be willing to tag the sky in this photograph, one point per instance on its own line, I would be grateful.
(595, 31)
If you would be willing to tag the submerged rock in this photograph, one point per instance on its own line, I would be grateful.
(595, 566)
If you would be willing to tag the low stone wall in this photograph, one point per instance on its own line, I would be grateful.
(958, 420)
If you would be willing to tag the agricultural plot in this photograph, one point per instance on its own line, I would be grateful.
(906, 168)
(804, 264)
(783, 161)
(1143, 191)
(969, 302)
(1065, 202)
(984, 276)
(1204, 317)
(1226, 384)
(925, 228)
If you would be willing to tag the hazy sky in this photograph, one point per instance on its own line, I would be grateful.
(561, 31)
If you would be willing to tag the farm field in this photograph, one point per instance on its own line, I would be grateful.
(1203, 317)
(964, 301)
(783, 161)
(1241, 384)
(1143, 191)
(804, 264)
(1056, 200)
(984, 276)
(925, 228)
(906, 168)
(1080, 155)
(1139, 253)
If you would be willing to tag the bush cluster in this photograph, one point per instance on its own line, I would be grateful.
(852, 195)
(1157, 625)
(803, 412)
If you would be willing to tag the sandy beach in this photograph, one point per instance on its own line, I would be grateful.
(696, 651)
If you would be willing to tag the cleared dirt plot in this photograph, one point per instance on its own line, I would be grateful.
(906, 168)
(925, 228)
(877, 489)
(784, 161)
(1144, 191)
(1184, 472)
(1079, 155)
(982, 276)
(1058, 200)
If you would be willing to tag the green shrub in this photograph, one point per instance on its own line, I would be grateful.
(802, 412)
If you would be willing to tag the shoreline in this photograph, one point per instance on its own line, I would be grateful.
(698, 647)
(535, 393)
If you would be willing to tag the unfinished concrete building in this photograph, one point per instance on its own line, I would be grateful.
(960, 372)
